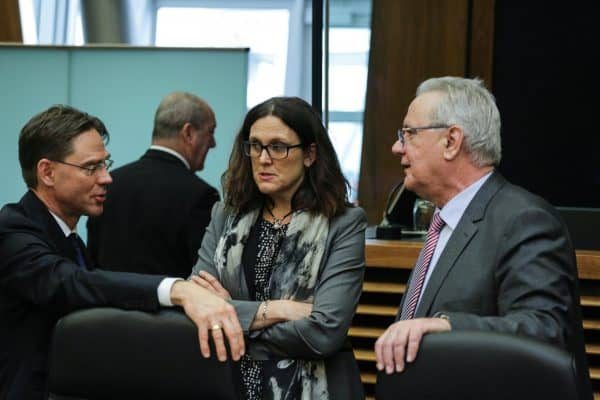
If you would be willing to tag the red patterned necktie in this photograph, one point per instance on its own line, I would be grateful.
(416, 283)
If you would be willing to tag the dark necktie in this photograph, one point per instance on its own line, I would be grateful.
(77, 245)
(416, 284)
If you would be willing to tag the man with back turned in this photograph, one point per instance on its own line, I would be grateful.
(157, 208)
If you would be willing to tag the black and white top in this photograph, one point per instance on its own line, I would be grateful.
(269, 242)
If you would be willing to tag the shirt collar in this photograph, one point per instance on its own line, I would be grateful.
(172, 152)
(63, 225)
(453, 211)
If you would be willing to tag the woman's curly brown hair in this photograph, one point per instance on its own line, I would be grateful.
(324, 189)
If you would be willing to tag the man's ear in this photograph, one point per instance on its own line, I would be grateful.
(45, 172)
(187, 132)
(454, 139)
(310, 155)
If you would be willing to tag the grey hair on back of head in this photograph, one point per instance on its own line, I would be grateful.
(175, 110)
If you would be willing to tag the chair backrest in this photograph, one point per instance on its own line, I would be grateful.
(107, 353)
(483, 365)
(579, 222)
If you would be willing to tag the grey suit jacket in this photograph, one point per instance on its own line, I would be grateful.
(509, 266)
(323, 333)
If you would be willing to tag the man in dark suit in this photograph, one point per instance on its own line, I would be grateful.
(44, 270)
(496, 257)
(157, 208)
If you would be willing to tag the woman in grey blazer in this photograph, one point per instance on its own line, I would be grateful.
(288, 251)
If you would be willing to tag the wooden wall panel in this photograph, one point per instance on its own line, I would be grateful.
(410, 41)
(10, 22)
(481, 53)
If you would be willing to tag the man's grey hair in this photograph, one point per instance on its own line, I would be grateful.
(466, 102)
(175, 110)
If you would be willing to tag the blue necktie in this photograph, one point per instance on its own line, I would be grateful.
(74, 239)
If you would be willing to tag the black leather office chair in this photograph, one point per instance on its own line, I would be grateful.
(483, 365)
(106, 353)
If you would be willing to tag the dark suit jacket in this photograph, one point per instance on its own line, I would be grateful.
(154, 217)
(509, 266)
(40, 282)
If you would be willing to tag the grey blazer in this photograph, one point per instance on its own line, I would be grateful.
(509, 266)
(322, 335)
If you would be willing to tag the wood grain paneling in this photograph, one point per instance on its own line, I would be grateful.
(10, 22)
(481, 52)
(410, 41)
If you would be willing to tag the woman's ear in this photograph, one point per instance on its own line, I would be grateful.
(310, 155)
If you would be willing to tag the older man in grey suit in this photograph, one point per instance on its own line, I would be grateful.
(496, 257)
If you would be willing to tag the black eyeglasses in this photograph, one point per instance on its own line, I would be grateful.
(413, 131)
(93, 168)
(276, 151)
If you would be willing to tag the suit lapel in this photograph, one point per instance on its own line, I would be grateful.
(38, 212)
(465, 231)
(458, 241)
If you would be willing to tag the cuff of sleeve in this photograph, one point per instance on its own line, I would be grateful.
(164, 291)
(246, 311)
(442, 315)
